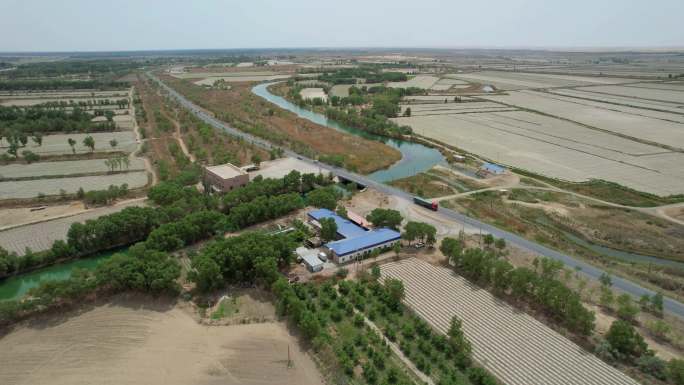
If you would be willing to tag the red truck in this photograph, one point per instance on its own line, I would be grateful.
(434, 206)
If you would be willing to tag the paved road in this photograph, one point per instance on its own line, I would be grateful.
(670, 305)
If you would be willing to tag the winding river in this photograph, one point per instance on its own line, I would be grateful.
(415, 157)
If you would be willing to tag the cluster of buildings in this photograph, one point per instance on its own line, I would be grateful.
(355, 238)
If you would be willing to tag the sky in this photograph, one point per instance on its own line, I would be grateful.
(121, 25)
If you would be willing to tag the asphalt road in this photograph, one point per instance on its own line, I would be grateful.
(670, 305)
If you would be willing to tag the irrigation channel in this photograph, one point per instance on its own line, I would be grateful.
(16, 286)
(415, 157)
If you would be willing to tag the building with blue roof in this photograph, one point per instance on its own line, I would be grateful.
(355, 242)
(492, 168)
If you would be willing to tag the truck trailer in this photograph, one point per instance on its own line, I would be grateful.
(426, 203)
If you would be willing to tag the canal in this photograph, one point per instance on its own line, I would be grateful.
(15, 287)
(415, 157)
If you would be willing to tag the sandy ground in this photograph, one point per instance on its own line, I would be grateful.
(20, 216)
(138, 342)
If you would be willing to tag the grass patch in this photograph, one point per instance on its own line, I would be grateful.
(226, 308)
(609, 191)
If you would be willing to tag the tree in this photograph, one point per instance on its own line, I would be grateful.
(256, 159)
(607, 298)
(38, 138)
(375, 272)
(89, 142)
(341, 211)
(322, 197)
(395, 292)
(328, 229)
(30, 156)
(72, 144)
(457, 338)
(488, 240)
(626, 310)
(113, 143)
(625, 339)
(500, 244)
(397, 249)
(407, 112)
(452, 248)
(657, 303)
(385, 218)
(206, 273)
(606, 280)
(675, 371)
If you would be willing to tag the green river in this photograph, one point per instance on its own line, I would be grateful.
(15, 287)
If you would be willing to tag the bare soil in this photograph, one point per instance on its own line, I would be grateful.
(142, 341)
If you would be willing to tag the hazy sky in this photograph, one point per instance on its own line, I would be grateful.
(96, 25)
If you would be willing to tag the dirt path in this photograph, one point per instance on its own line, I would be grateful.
(177, 135)
(140, 140)
(141, 341)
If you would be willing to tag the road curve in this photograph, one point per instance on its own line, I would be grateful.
(670, 305)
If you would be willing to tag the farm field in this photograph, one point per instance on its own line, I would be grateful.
(514, 346)
(556, 148)
(519, 80)
(419, 81)
(583, 93)
(76, 94)
(243, 78)
(32, 170)
(663, 129)
(40, 236)
(446, 83)
(313, 93)
(32, 188)
(143, 341)
(672, 96)
(33, 101)
(206, 74)
(340, 90)
(58, 144)
(425, 109)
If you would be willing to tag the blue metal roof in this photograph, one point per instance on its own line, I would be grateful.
(355, 237)
(493, 168)
(369, 239)
(345, 227)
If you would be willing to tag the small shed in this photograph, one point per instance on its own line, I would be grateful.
(310, 259)
(491, 168)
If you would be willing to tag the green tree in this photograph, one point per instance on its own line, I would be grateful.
(675, 371)
(625, 339)
(606, 280)
(89, 142)
(72, 144)
(256, 159)
(500, 244)
(341, 211)
(328, 229)
(113, 143)
(38, 138)
(657, 303)
(607, 298)
(385, 218)
(626, 309)
(395, 292)
(488, 240)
